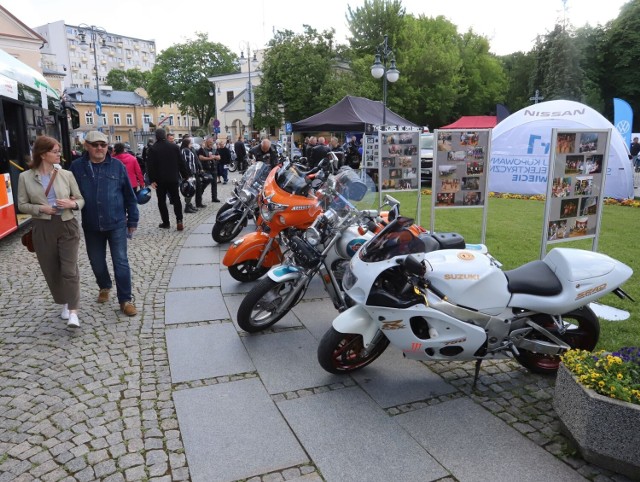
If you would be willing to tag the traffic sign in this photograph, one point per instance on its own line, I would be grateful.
(288, 127)
(216, 130)
(98, 107)
(216, 123)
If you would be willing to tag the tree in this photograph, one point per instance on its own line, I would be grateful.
(181, 72)
(619, 54)
(368, 24)
(128, 80)
(518, 67)
(429, 61)
(300, 77)
(559, 65)
(482, 75)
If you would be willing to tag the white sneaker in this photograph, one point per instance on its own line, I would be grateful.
(73, 322)
(65, 312)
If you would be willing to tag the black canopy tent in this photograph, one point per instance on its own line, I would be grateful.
(351, 114)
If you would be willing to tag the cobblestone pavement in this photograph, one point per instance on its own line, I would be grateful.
(96, 403)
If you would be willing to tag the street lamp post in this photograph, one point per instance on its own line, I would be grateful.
(379, 69)
(94, 34)
(248, 60)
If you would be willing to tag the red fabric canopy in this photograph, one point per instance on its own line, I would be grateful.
(473, 122)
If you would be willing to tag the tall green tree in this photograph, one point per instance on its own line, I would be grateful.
(559, 65)
(483, 78)
(181, 72)
(128, 80)
(619, 56)
(369, 23)
(430, 65)
(302, 75)
(518, 68)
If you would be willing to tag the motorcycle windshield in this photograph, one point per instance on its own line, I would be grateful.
(292, 181)
(396, 239)
(257, 172)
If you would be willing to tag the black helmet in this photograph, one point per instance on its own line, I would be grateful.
(143, 195)
(188, 188)
(206, 178)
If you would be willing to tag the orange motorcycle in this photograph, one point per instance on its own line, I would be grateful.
(288, 206)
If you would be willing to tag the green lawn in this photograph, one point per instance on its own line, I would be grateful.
(514, 237)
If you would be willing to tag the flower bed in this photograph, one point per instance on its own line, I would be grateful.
(597, 399)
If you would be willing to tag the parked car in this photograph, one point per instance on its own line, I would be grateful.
(426, 158)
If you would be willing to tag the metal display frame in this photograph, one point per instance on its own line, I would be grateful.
(460, 176)
(575, 186)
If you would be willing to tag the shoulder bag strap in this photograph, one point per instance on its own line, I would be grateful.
(53, 176)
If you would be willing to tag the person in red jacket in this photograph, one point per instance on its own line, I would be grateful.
(131, 163)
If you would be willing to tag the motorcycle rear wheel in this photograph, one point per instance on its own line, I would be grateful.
(247, 271)
(263, 306)
(344, 352)
(225, 232)
(582, 333)
(232, 166)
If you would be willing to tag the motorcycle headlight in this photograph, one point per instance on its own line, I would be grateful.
(349, 279)
(312, 236)
(268, 210)
(246, 196)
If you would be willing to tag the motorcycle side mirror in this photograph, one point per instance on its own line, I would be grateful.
(414, 266)
(393, 213)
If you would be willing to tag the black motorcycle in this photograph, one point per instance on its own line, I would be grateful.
(235, 213)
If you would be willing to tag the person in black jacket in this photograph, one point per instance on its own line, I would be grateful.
(318, 153)
(241, 154)
(265, 152)
(165, 167)
(224, 161)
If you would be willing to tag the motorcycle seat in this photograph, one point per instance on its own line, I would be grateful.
(534, 278)
(430, 243)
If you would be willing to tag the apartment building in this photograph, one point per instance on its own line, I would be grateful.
(72, 49)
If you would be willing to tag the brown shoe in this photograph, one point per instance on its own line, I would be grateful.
(128, 308)
(103, 296)
(180, 226)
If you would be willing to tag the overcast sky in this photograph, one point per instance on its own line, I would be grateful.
(510, 25)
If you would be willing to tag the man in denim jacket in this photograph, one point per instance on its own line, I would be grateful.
(110, 215)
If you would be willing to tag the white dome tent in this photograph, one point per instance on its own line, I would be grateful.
(520, 148)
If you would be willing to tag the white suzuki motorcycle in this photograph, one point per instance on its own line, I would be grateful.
(457, 304)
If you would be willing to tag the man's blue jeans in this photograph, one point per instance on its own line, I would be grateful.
(96, 242)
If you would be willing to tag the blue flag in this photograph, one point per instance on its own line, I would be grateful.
(623, 119)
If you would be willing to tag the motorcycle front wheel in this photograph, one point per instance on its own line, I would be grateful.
(232, 166)
(344, 352)
(225, 232)
(247, 271)
(263, 306)
(582, 332)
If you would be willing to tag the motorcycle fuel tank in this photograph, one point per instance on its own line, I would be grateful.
(351, 241)
(468, 279)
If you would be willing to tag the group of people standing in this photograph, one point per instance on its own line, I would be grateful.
(315, 149)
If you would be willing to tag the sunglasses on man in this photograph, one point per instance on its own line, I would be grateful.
(95, 145)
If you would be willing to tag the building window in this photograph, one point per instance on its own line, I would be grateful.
(229, 95)
(170, 120)
(105, 120)
(116, 119)
(146, 119)
(179, 121)
(88, 118)
(118, 138)
(129, 119)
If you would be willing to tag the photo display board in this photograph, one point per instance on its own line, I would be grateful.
(399, 160)
(460, 167)
(575, 186)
